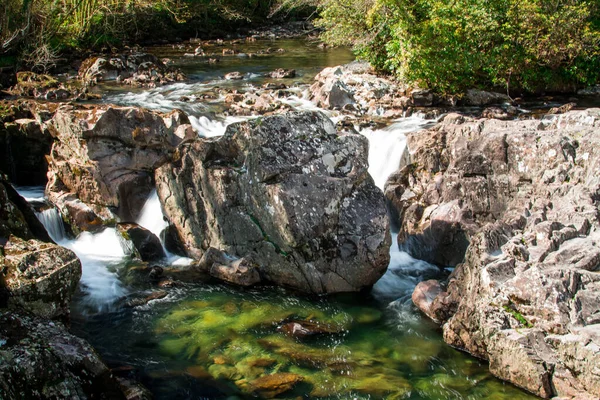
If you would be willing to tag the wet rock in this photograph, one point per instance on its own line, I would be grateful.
(140, 299)
(303, 208)
(423, 297)
(40, 277)
(422, 97)
(281, 73)
(105, 157)
(234, 76)
(357, 84)
(147, 246)
(499, 113)
(562, 109)
(239, 272)
(269, 386)
(303, 329)
(526, 295)
(40, 359)
(17, 217)
(30, 84)
(476, 97)
(136, 69)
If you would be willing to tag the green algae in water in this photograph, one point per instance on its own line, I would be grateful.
(235, 337)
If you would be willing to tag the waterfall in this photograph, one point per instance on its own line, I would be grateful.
(152, 218)
(98, 253)
(386, 146)
(53, 223)
(386, 149)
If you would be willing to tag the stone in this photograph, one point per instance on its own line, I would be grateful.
(133, 69)
(423, 297)
(269, 386)
(526, 296)
(476, 97)
(105, 157)
(40, 359)
(302, 208)
(422, 97)
(232, 76)
(303, 329)
(562, 109)
(281, 73)
(17, 217)
(40, 277)
(240, 272)
(147, 246)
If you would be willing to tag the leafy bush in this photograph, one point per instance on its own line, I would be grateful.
(532, 45)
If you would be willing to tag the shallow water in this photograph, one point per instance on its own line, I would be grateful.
(212, 341)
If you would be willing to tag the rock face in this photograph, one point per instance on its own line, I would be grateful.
(24, 145)
(289, 194)
(35, 274)
(39, 359)
(527, 195)
(103, 159)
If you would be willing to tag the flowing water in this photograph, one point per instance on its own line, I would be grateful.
(212, 341)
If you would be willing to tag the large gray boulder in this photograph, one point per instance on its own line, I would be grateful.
(526, 195)
(105, 157)
(287, 193)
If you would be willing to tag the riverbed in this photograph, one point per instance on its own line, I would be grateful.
(213, 341)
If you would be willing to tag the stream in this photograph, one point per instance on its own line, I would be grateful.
(210, 341)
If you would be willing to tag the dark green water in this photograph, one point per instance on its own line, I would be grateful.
(213, 341)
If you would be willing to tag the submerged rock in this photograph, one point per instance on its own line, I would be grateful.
(270, 386)
(105, 157)
(526, 195)
(288, 193)
(40, 359)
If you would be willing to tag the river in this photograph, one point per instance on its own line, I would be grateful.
(210, 341)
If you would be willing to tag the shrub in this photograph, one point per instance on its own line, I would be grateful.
(532, 45)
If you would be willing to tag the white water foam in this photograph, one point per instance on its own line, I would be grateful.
(97, 252)
(53, 223)
(206, 127)
(152, 218)
(387, 145)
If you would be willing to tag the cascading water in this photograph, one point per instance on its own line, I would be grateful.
(53, 223)
(152, 218)
(98, 253)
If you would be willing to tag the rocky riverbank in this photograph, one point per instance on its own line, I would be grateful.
(287, 200)
(38, 357)
(516, 205)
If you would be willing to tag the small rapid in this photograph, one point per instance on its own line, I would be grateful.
(99, 253)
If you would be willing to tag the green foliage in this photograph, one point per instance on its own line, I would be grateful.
(40, 30)
(450, 46)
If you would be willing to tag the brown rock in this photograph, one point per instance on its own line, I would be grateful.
(270, 386)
